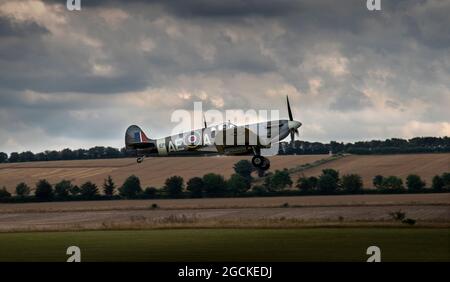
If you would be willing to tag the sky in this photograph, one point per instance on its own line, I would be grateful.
(77, 79)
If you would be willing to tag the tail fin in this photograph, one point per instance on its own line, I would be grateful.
(135, 138)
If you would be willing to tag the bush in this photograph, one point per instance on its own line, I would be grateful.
(174, 185)
(44, 190)
(446, 179)
(195, 186)
(307, 184)
(409, 221)
(74, 190)
(22, 190)
(352, 183)
(333, 173)
(4, 194)
(414, 183)
(214, 184)
(150, 192)
(237, 184)
(62, 188)
(259, 190)
(398, 215)
(131, 187)
(89, 190)
(392, 183)
(279, 180)
(378, 181)
(109, 186)
(244, 168)
(327, 184)
(438, 183)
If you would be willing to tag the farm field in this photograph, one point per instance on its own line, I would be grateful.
(425, 165)
(154, 171)
(257, 245)
(429, 210)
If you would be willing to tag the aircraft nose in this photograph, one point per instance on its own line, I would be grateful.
(293, 124)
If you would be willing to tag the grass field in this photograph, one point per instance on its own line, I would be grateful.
(309, 244)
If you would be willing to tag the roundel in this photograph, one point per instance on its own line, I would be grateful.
(193, 139)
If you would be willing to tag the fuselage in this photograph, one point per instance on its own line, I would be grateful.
(220, 139)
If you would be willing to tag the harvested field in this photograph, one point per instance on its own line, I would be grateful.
(224, 203)
(288, 212)
(425, 165)
(152, 172)
(220, 218)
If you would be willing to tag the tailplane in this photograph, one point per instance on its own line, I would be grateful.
(135, 138)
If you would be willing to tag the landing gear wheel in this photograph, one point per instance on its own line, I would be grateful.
(257, 161)
(139, 160)
(266, 164)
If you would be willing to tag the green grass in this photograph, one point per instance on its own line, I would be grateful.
(309, 244)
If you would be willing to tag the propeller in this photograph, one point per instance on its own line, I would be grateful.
(204, 121)
(293, 131)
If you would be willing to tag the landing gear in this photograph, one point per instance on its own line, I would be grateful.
(140, 159)
(261, 162)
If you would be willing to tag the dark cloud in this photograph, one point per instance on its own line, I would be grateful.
(11, 28)
(86, 75)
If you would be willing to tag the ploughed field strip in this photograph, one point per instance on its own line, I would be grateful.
(431, 199)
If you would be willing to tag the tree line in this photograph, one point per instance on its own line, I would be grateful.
(388, 146)
(239, 184)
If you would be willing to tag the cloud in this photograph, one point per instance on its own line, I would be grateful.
(79, 78)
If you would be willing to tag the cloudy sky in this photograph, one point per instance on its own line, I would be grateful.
(78, 79)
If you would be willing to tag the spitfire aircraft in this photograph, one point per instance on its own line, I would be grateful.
(226, 139)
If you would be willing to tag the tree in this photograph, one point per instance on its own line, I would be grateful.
(109, 186)
(327, 183)
(352, 183)
(62, 188)
(22, 189)
(88, 190)
(332, 172)
(244, 168)
(3, 157)
(378, 181)
(446, 179)
(150, 192)
(4, 193)
(131, 187)
(26, 157)
(14, 157)
(74, 190)
(307, 183)
(438, 183)
(392, 183)
(414, 183)
(279, 180)
(237, 184)
(174, 185)
(44, 190)
(259, 190)
(195, 186)
(214, 184)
